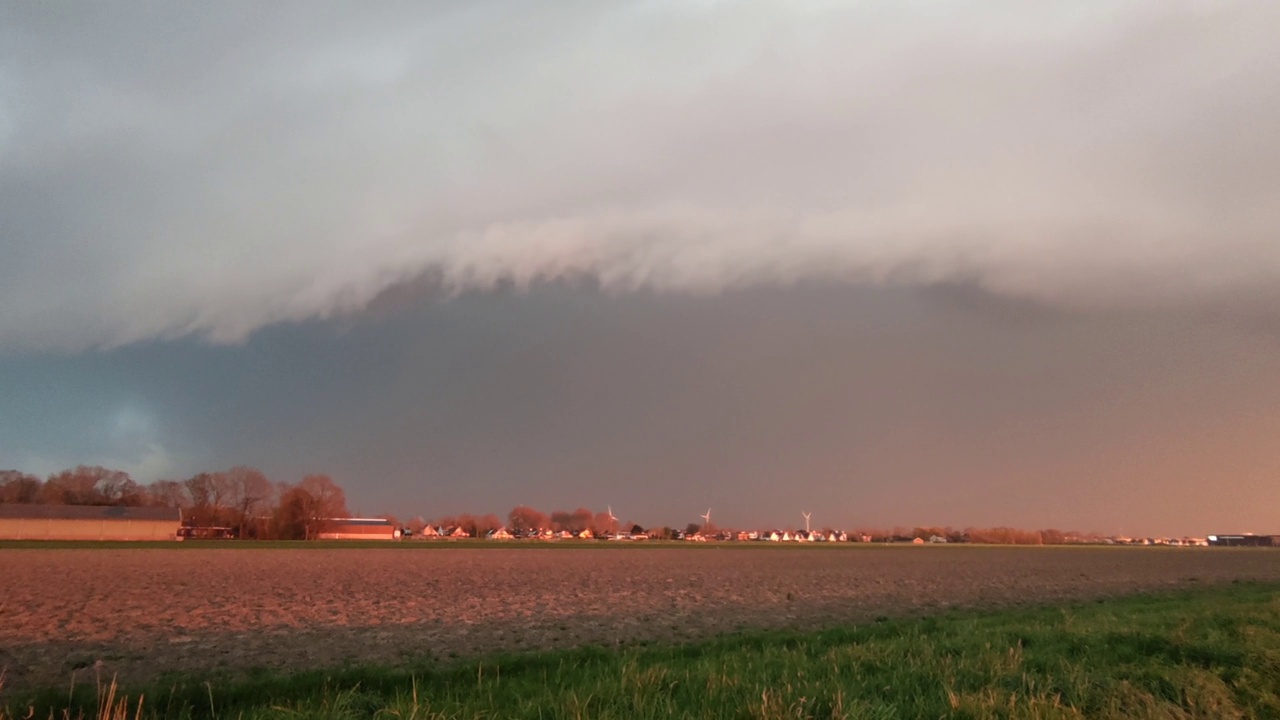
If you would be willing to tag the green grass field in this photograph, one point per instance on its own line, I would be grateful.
(1207, 653)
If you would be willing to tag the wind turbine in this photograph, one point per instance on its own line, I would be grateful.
(612, 519)
(706, 519)
(806, 522)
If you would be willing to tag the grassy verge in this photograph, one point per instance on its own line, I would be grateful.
(1207, 653)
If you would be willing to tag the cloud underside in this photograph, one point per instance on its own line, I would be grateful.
(212, 171)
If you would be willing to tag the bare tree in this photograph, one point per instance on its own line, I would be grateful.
(116, 488)
(292, 518)
(19, 487)
(561, 520)
(523, 518)
(86, 485)
(302, 507)
(580, 520)
(330, 499)
(169, 493)
(324, 499)
(204, 491)
(487, 523)
(467, 522)
(602, 523)
(250, 492)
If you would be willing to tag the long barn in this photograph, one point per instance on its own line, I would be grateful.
(357, 529)
(89, 522)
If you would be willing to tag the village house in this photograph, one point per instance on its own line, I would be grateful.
(498, 534)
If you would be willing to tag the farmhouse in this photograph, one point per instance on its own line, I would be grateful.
(85, 522)
(499, 534)
(357, 529)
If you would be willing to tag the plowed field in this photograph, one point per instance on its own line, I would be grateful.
(141, 612)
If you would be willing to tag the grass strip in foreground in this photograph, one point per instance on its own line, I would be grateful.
(1207, 653)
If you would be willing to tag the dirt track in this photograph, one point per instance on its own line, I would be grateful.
(140, 612)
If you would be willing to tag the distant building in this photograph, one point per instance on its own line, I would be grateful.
(207, 532)
(357, 529)
(89, 522)
(1246, 540)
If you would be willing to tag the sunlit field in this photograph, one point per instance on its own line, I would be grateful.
(1207, 653)
(236, 612)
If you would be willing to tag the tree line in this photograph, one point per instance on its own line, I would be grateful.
(240, 502)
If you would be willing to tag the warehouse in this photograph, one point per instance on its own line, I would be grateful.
(357, 529)
(89, 522)
(1245, 540)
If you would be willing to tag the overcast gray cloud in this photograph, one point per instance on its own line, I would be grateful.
(186, 168)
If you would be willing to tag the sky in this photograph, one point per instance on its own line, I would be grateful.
(966, 263)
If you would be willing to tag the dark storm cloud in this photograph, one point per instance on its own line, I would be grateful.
(867, 406)
(173, 169)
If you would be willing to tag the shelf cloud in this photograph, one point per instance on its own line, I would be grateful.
(206, 170)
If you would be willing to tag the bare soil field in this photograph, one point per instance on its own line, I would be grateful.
(137, 613)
